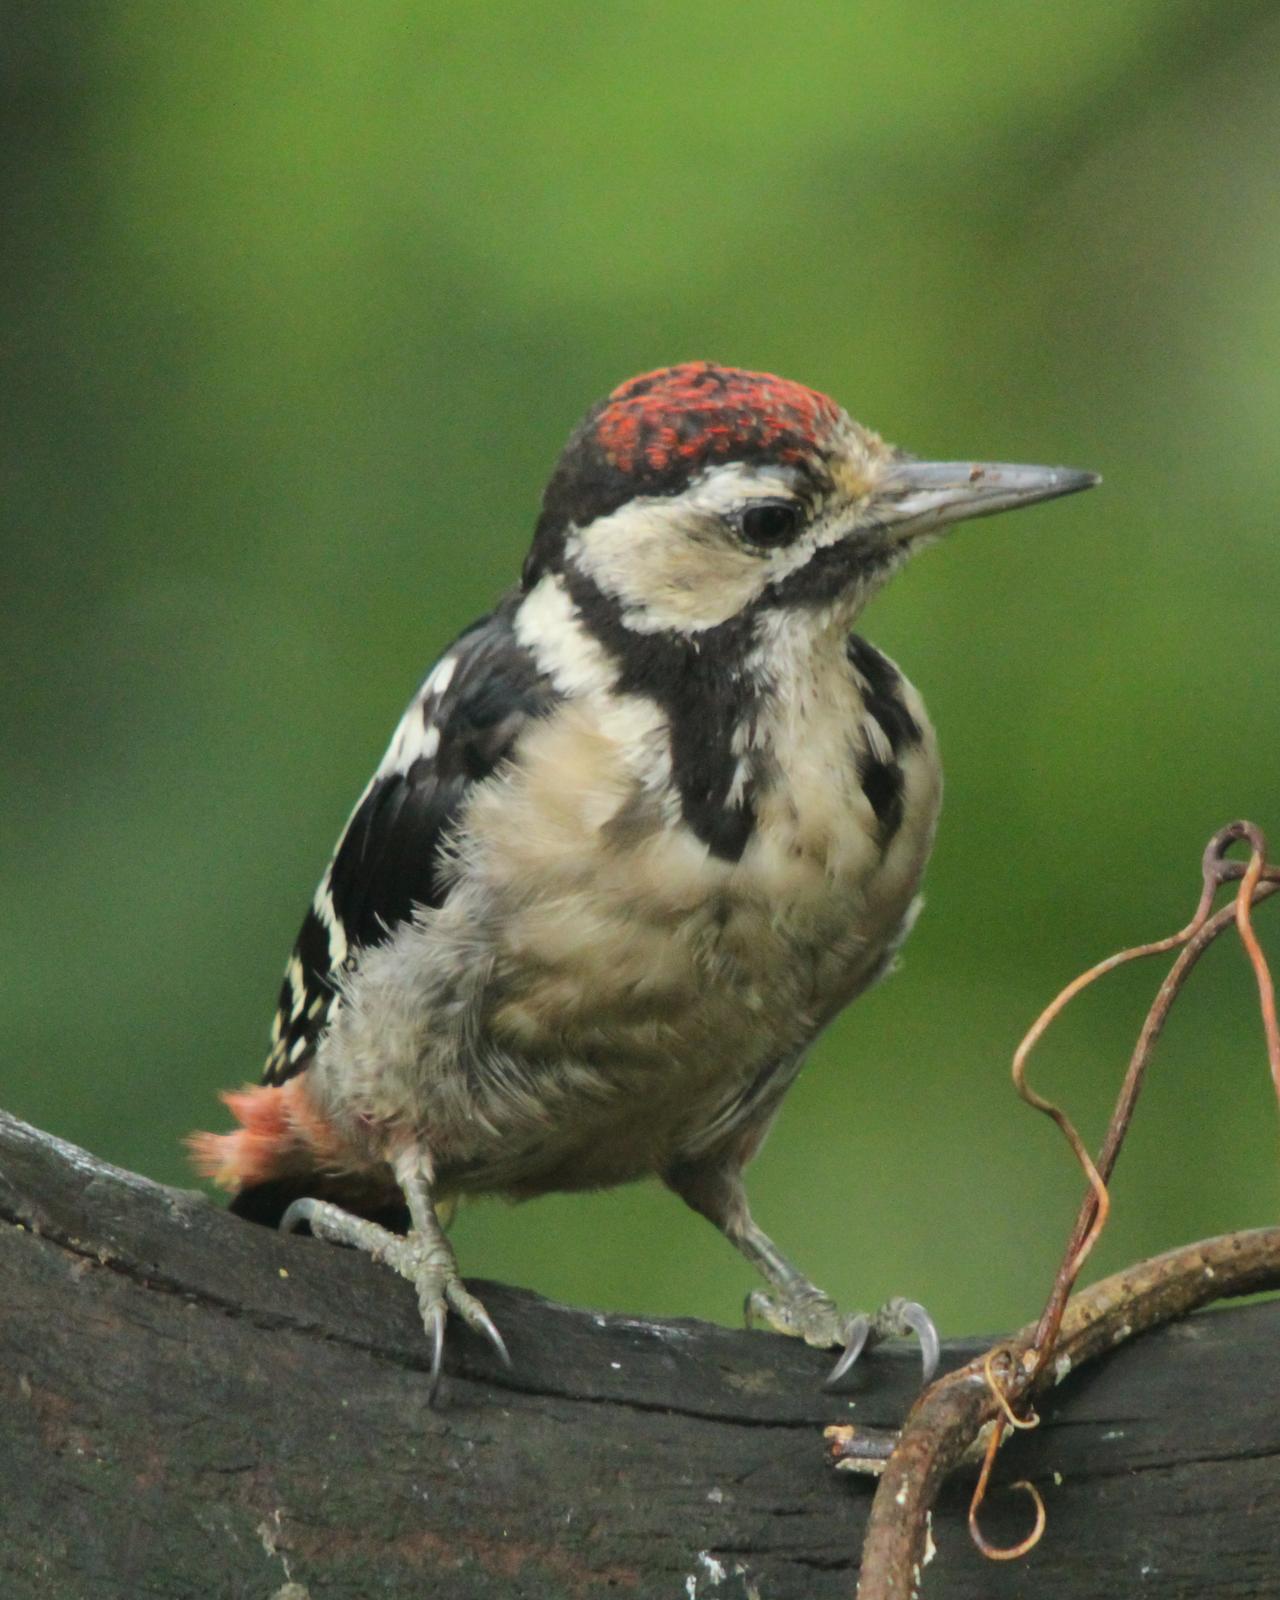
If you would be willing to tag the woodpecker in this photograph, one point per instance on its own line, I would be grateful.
(641, 834)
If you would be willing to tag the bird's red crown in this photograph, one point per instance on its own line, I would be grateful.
(695, 413)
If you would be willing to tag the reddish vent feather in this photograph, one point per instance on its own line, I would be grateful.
(280, 1133)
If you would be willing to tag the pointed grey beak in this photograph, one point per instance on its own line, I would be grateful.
(916, 497)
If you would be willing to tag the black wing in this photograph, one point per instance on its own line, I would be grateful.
(459, 726)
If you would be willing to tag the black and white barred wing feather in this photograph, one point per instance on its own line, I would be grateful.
(459, 728)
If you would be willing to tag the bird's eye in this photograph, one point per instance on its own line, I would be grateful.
(771, 523)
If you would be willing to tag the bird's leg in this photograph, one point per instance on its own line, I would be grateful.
(424, 1255)
(430, 1265)
(797, 1306)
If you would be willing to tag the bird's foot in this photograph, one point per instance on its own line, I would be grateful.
(426, 1259)
(810, 1315)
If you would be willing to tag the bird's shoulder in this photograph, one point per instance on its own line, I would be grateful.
(896, 751)
(392, 856)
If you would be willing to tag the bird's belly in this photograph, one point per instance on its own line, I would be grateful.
(602, 994)
(671, 997)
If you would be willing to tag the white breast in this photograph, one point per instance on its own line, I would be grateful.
(601, 986)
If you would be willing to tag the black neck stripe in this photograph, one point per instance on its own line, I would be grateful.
(699, 682)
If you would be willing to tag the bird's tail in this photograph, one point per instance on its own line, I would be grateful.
(281, 1135)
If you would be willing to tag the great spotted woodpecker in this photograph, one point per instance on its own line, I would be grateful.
(641, 834)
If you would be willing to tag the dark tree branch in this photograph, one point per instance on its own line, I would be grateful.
(193, 1406)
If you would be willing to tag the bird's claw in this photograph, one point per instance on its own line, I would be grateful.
(855, 1343)
(896, 1318)
(814, 1317)
(428, 1263)
(484, 1324)
(430, 1267)
(436, 1299)
(433, 1321)
(918, 1321)
(476, 1317)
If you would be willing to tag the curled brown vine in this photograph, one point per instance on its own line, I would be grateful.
(1256, 879)
(994, 1393)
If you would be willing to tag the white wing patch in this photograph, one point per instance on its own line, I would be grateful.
(417, 737)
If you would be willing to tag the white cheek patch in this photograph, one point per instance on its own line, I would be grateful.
(674, 563)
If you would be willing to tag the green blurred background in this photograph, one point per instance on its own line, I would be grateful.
(300, 301)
